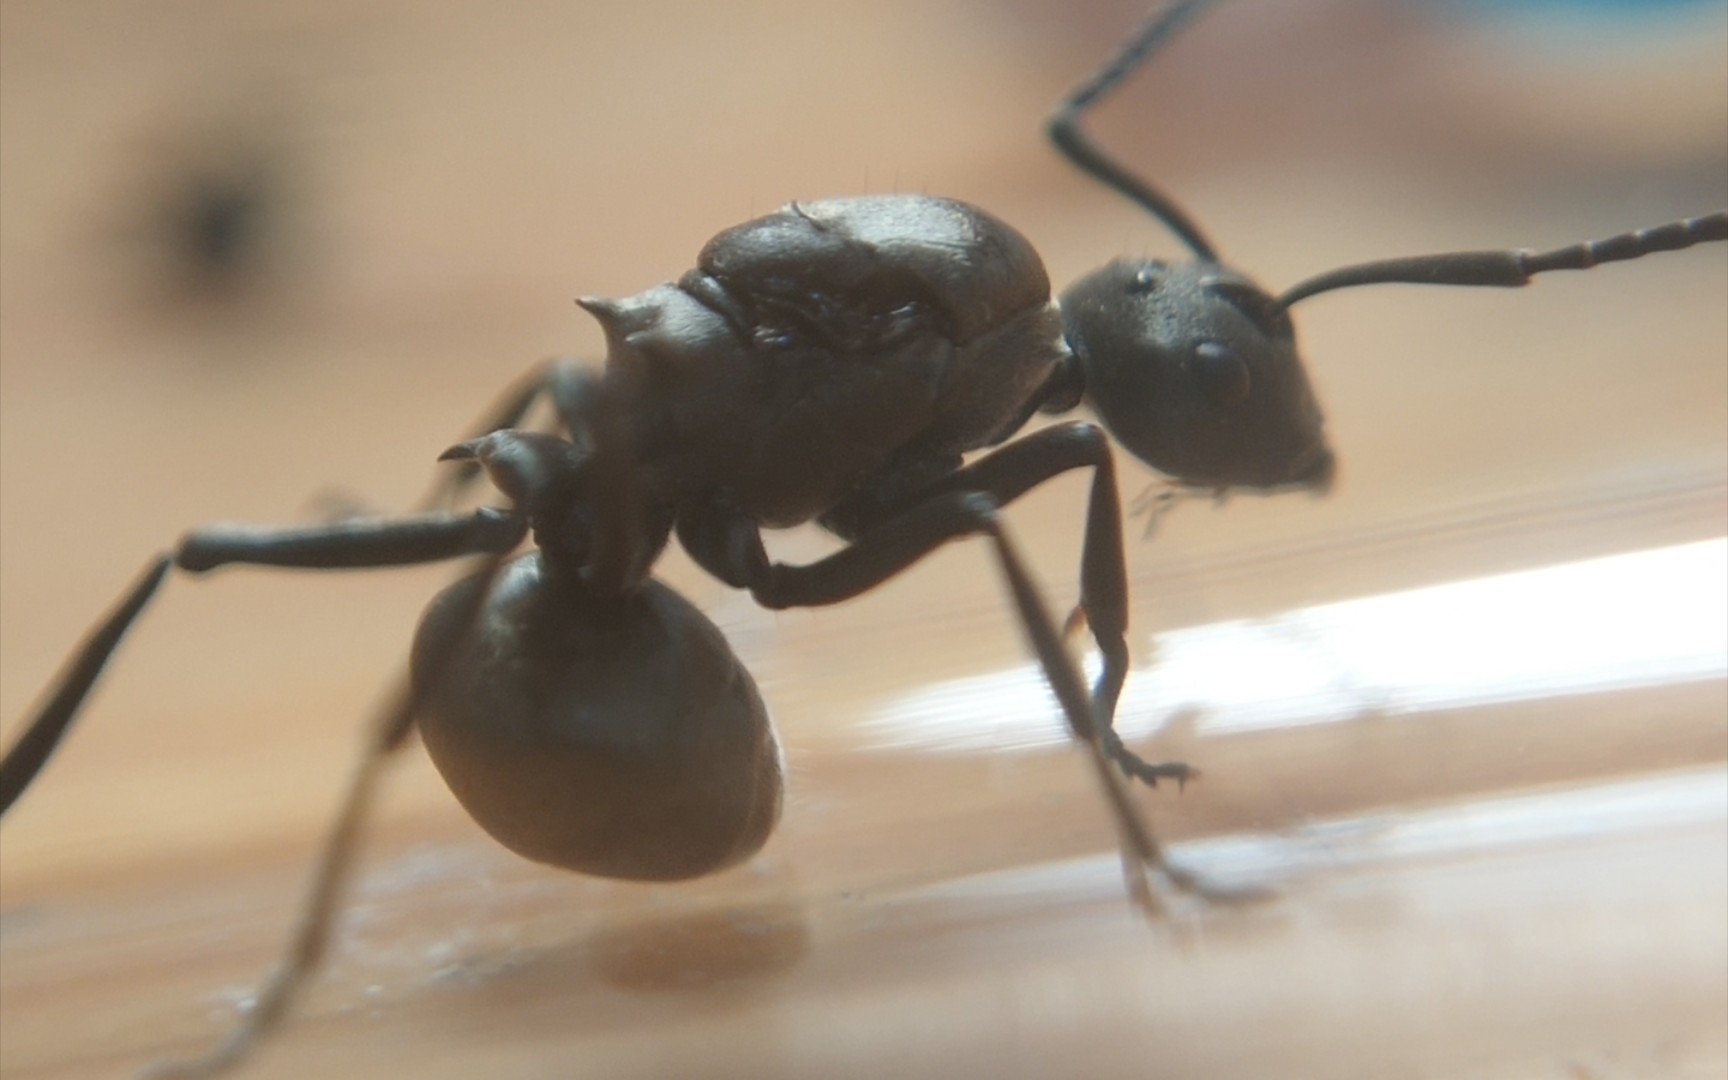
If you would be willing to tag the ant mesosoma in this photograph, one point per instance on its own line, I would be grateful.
(834, 362)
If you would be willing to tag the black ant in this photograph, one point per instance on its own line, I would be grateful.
(834, 362)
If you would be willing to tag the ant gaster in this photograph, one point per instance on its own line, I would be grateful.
(834, 362)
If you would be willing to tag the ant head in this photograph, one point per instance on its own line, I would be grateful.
(1194, 369)
(585, 515)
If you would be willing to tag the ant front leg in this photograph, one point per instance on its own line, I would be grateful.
(1011, 471)
(729, 546)
(1016, 468)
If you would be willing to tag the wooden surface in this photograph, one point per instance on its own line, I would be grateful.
(1514, 888)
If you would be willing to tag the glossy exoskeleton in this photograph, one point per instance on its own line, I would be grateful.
(838, 361)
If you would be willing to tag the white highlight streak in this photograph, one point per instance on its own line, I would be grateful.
(1641, 619)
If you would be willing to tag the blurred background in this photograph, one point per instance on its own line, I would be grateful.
(252, 254)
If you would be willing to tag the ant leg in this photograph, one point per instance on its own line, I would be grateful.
(729, 546)
(33, 748)
(1140, 848)
(628, 535)
(339, 504)
(507, 412)
(1017, 467)
(310, 941)
(334, 504)
(349, 544)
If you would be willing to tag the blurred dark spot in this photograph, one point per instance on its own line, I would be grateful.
(217, 226)
(213, 222)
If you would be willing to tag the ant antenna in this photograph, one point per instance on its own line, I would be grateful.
(1513, 268)
(1064, 127)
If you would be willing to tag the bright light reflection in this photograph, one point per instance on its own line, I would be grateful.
(1641, 619)
(1590, 814)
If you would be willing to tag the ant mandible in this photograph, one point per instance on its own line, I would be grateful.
(833, 362)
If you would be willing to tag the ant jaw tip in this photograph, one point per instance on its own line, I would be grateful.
(465, 451)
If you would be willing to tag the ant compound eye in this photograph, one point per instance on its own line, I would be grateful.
(1221, 374)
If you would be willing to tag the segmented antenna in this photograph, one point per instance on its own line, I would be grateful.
(1508, 269)
(1077, 147)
